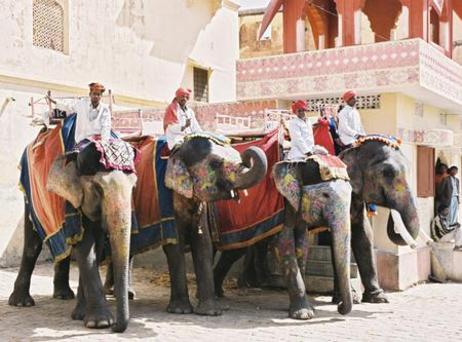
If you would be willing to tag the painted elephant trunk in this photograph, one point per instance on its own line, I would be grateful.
(119, 224)
(409, 225)
(254, 159)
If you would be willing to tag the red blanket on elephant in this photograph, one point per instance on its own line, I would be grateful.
(258, 215)
(322, 136)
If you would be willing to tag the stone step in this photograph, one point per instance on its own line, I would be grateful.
(325, 268)
(321, 253)
(325, 285)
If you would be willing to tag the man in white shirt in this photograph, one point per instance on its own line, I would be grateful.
(301, 133)
(93, 117)
(349, 122)
(179, 119)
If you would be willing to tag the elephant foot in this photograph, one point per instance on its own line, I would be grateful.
(375, 298)
(78, 314)
(21, 298)
(336, 299)
(131, 294)
(219, 292)
(98, 318)
(180, 306)
(64, 292)
(302, 310)
(208, 308)
(109, 291)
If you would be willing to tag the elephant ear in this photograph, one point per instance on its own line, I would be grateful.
(63, 179)
(354, 168)
(177, 177)
(287, 182)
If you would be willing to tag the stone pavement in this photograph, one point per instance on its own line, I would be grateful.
(430, 312)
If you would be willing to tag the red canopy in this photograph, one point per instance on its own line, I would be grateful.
(270, 12)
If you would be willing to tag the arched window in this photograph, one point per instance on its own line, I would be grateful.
(49, 25)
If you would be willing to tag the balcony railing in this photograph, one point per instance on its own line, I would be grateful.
(409, 66)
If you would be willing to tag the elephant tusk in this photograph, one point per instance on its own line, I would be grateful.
(425, 238)
(401, 229)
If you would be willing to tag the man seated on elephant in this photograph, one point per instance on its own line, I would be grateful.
(349, 122)
(350, 129)
(301, 133)
(93, 116)
(179, 119)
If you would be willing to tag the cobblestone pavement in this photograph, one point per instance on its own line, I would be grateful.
(430, 312)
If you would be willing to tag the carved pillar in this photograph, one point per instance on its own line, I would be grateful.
(293, 11)
(418, 19)
(349, 30)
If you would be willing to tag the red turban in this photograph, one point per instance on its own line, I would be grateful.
(181, 92)
(349, 95)
(300, 104)
(95, 86)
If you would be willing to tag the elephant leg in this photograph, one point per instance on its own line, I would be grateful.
(202, 253)
(224, 264)
(336, 298)
(301, 247)
(109, 280)
(179, 298)
(31, 251)
(300, 307)
(363, 250)
(97, 313)
(78, 313)
(62, 290)
(341, 244)
(248, 276)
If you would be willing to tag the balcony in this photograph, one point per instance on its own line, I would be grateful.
(412, 67)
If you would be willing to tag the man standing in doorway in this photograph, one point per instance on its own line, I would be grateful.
(449, 194)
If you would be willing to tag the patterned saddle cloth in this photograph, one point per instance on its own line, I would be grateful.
(330, 167)
(389, 140)
(116, 154)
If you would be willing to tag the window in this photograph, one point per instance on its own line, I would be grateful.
(201, 85)
(434, 27)
(425, 171)
(48, 24)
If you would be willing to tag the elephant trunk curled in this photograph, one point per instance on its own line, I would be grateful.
(256, 165)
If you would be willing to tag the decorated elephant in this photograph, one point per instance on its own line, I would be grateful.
(316, 196)
(202, 169)
(104, 197)
(377, 169)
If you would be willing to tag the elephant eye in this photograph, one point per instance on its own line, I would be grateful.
(389, 172)
(216, 164)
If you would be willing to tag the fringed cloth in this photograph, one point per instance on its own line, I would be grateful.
(255, 217)
(389, 140)
(330, 167)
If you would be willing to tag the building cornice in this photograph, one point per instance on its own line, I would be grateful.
(78, 91)
(230, 4)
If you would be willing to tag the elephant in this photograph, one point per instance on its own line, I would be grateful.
(377, 170)
(104, 198)
(202, 169)
(311, 202)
